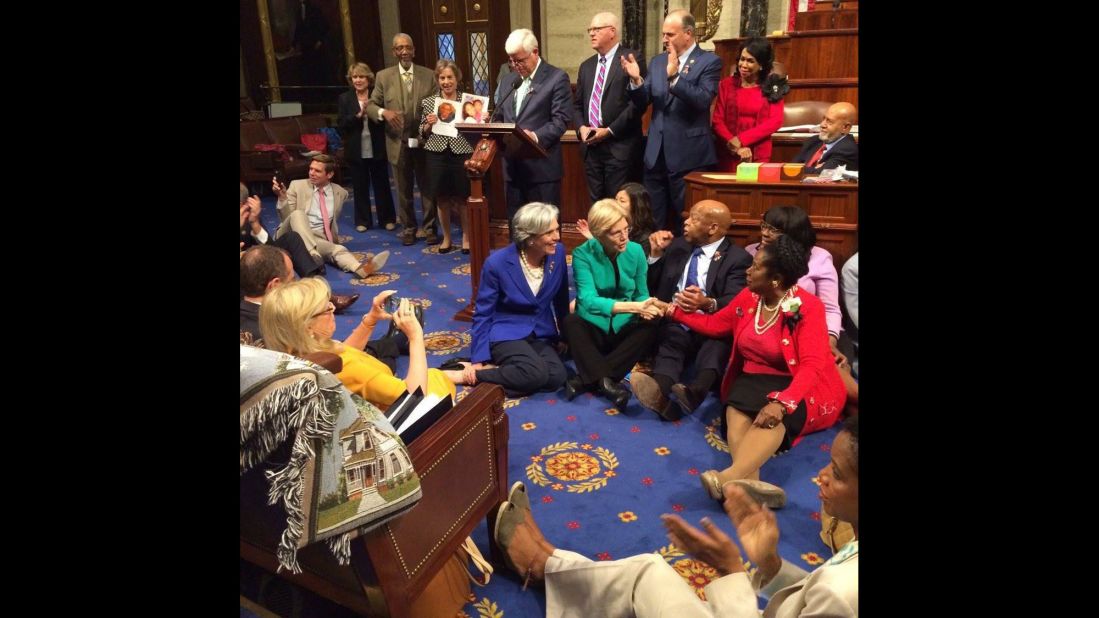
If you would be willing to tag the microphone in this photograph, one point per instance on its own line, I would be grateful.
(514, 88)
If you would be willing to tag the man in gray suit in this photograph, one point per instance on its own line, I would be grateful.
(398, 92)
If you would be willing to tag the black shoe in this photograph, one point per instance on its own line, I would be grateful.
(573, 387)
(687, 398)
(612, 390)
(465, 251)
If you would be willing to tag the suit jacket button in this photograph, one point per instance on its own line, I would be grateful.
(793, 361)
(785, 341)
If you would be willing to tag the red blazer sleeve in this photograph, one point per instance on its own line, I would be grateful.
(714, 325)
(725, 96)
(770, 122)
(811, 352)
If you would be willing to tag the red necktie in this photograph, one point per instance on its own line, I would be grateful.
(324, 215)
(816, 157)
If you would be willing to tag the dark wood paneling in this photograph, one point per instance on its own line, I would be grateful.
(833, 208)
(822, 66)
(366, 34)
(251, 44)
(826, 20)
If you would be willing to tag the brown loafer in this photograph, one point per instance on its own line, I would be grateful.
(432, 238)
(408, 237)
(343, 302)
(687, 399)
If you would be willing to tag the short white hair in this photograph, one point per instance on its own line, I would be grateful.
(608, 19)
(521, 39)
(532, 220)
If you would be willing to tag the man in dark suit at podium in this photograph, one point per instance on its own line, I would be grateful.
(681, 85)
(834, 146)
(610, 125)
(540, 103)
(703, 270)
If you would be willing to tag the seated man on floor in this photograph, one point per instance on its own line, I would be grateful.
(701, 271)
(264, 268)
(834, 146)
(252, 233)
(312, 208)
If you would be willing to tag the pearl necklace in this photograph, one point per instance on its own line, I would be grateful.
(762, 328)
(530, 271)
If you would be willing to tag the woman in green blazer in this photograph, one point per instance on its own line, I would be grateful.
(613, 326)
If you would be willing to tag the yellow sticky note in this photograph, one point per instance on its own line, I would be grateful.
(747, 172)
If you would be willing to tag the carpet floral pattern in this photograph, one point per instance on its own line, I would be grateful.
(598, 479)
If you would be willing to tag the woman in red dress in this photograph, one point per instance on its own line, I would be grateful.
(744, 118)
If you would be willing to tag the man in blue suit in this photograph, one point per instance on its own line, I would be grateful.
(681, 85)
(541, 105)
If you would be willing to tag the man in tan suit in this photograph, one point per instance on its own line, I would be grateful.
(311, 208)
(398, 92)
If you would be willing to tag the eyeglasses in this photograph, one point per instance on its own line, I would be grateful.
(517, 61)
(767, 227)
(331, 309)
(623, 233)
(597, 29)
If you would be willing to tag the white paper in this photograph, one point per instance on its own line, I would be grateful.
(413, 142)
(447, 112)
(426, 404)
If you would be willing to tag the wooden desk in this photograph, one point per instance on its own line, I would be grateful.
(833, 208)
(462, 463)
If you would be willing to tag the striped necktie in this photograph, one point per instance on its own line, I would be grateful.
(597, 94)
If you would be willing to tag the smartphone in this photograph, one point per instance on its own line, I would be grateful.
(391, 304)
(591, 134)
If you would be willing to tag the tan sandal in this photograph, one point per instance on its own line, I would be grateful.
(711, 482)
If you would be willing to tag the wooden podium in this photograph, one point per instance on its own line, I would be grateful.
(493, 138)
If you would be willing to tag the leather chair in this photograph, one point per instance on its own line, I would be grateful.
(260, 166)
(804, 112)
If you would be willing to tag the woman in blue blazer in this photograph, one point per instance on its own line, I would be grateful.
(521, 302)
(613, 327)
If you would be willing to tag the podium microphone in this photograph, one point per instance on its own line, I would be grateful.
(514, 88)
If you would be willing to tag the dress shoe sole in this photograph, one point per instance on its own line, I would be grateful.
(389, 227)
(647, 391)
(766, 494)
(686, 399)
(517, 495)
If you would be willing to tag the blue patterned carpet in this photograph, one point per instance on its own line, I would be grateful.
(598, 479)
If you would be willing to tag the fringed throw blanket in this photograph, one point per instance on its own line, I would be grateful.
(348, 472)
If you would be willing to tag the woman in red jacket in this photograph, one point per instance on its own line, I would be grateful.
(744, 117)
(781, 383)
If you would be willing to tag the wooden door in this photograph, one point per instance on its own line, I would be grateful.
(469, 32)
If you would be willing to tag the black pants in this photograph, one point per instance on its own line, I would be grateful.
(606, 174)
(677, 346)
(388, 348)
(601, 355)
(525, 366)
(367, 173)
(520, 193)
(303, 262)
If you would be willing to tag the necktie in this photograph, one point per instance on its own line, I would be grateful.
(597, 94)
(522, 94)
(407, 77)
(692, 274)
(816, 157)
(692, 269)
(324, 215)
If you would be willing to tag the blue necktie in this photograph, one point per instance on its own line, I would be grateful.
(692, 274)
(692, 269)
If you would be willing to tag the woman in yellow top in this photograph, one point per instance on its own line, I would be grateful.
(298, 319)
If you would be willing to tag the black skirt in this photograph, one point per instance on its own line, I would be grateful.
(749, 394)
(446, 175)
